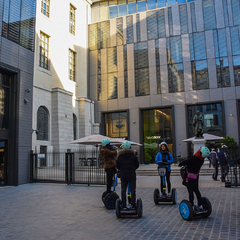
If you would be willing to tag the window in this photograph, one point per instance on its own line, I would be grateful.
(183, 18)
(152, 28)
(223, 75)
(171, 2)
(138, 28)
(42, 124)
(93, 35)
(99, 79)
(170, 22)
(161, 24)
(235, 40)
(235, 12)
(113, 9)
(158, 67)
(193, 17)
(141, 5)
(225, 11)
(119, 31)
(71, 65)
(45, 7)
(72, 19)
(104, 10)
(209, 14)
(122, 7)
(44, 51)
(175, 66)
(125, 70)
(151, 4)
(132, 6)
(74, 127)
(236, 69)
(129, 29)
(112, 73)
(141, 69)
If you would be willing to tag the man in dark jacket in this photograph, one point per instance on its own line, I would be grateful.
(222, 156)
(127, 163)
(214, 162)
(194, 165)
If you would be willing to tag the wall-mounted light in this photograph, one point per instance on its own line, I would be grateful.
(230, 115)
(25, 100)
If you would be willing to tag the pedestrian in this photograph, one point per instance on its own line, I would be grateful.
(223, 162)
(164, 156)
(127, 163)
(109, 154)
(193, 165)
(214, 160)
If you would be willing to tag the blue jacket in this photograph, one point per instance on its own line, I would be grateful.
(159, 160)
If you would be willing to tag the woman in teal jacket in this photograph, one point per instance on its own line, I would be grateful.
(164, 156)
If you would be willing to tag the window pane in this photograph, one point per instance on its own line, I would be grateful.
(209, 14)
(161, 3)
(112, 59)
(236, 67)
(113, 12)
(183, 18)
(122, 10)
(200, 75)
(175, 54)
(222, 42)
(170, 21)
(193, 17)
(235, 10)
(175, 77)
(181, 1)
(225, 11)
(151, 4)
(42, 124)
(161, 24)
(112, 85)
(171, 2)
(142, 55)
(223, 72)
(152, 30)
(138, 28)
(199, 46)
(235, 41)
(119, 31)
(129, 29)
(141, 6)
(141, 82)
(93, 36)
(103, 13)
(131, 8)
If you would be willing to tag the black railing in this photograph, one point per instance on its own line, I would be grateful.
(71, 167)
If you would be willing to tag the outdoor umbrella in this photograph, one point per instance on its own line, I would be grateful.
(206, 137)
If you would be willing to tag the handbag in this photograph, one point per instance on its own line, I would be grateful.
(192, 176)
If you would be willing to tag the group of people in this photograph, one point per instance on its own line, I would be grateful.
(127, 163)
(219, 158)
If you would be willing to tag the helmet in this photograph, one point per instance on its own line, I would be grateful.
(163, 143)
(205, 152)
(126, 145)
(224, 146)
(105, 142)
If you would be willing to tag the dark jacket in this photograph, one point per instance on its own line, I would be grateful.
(222, 158)
(109, 155)
(127, 163)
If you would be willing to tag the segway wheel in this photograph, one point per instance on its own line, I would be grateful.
(174, 196)
(110, 200)
(104, 195)
(156, 196)
(207, 205)
(139, 208)
(186, 210)
(117, 207)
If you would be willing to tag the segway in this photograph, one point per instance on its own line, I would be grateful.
(158, 199)
(188, 212)
(129, 212)
(109, 199)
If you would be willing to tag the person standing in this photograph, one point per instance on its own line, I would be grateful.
(214, 162)
(194, 165)
(109, 153)
(164, 156)
(127, 163)
(222, 156)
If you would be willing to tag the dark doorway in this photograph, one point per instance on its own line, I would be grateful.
(3, 162)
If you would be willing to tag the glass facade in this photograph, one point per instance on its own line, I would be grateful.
(116, 124)
(157, 127)
(18, 22)
(209, 14)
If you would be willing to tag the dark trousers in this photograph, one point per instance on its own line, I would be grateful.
(167, 180)
(215, 173)
(132, 186)
(192, 187)
(110, 173)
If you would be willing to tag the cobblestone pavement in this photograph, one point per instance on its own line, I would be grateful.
(52, 211)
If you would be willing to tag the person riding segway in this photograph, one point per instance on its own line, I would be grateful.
(127, 163)
(192, 167)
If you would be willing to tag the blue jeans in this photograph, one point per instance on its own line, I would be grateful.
(132, 186)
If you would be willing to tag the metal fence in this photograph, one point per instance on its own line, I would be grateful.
(83, 166)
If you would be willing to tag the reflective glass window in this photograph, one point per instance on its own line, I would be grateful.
(158, 66)
(199, 46)
(235, 41)
(225, 11)
(119, 31)
(129, 29)
(170, 21)
(125, 71)
(157, 127)
(181, 1)
(45, 7)
(112, 73)
(152, 28)
(113, 11)
(183, 18)
(222, 43)
(151, 4)
(104, 11)
(161, 24)
(112, 86)
(200, 75)
(42, 124)
(141, 5)
(174, 50)
(236, 12)
(132, 8)
(116, 124)
(193, 17)
(99, 80)
(236, 68)
(44, 50)
(212, 115)
(112, 59)
(191, 0)
(93, 33)
(175, 77)
(191, 47)
(161, 3)
(74, 127)
(223, 75)
(103, 34)
(138, 28)
(209, 14)
(72, 16)
(122, 10)
(171, 2)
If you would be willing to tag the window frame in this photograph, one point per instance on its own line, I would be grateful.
(45, 64)
(72, 19)
(71, 76)
(47, 3)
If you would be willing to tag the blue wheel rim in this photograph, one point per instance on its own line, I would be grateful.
(184, 210)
